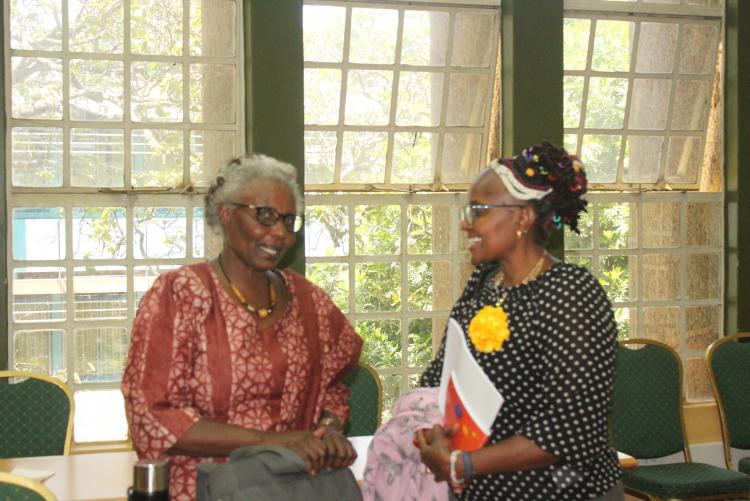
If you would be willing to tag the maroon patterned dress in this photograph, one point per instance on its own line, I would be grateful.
(196, 353)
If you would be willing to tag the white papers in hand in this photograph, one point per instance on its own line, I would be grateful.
(480, 397)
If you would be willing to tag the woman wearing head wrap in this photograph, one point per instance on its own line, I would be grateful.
(235, 351)
(543, 331)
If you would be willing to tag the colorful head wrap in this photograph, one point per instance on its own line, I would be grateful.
(550, 178)
(516, 187)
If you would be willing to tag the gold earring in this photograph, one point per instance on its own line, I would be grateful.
(519, 233)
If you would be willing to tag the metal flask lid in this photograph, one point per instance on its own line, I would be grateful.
(150, 476)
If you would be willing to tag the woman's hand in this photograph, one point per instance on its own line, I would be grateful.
(308, 445)
(434, 449)
(340, 452)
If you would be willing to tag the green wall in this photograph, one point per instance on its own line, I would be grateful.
(3, 219)
(532, 78)
(274, 89)
(736, 151)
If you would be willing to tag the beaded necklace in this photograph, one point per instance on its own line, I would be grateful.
(535, 271)
(489, 328)
(261, 312)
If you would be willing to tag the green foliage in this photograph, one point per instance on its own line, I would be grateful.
(419, 229)
(584, 239)
(575, 43)
(614, 221)
(606, 103)
(391, 392)
(412, 157)
(420, 286)
(614, 225)
(159, 232)
(327, 231)
(378, 287)
(103, 229)
(377, 229)
(334, 278)
(612, 45)
(420, 342)
(601, 154)
(622, 317)
(382, 342)
(156, 27)
(615, 277)
(573, 94)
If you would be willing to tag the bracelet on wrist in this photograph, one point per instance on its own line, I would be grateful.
(468, 466)
(454, 478)
(326, 422)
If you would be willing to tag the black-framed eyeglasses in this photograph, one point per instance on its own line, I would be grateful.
(471, 212)
(268, 216)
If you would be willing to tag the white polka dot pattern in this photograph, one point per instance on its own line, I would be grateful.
(555, 373)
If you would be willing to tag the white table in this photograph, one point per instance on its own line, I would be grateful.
(106, 476)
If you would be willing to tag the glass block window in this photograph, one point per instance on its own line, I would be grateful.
(640, 96)
(118, 112)
(396, 95)
(659, 257)
(398, 99)
(394, 265)
(637, 90)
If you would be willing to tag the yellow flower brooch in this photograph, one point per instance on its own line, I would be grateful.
(488, 329)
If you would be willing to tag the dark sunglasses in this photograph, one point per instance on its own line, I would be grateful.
(471, 212)
(268, 217)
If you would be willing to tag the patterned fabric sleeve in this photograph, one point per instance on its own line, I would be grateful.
(580, 340)
(340, 351)
(155, 383)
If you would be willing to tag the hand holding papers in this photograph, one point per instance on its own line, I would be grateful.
(467, 396)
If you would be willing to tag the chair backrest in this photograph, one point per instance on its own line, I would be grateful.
(365, 401)
(23, 489)
(36, 415)
(728, 362)
(647, 397)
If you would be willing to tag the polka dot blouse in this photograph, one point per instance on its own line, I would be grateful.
(555, 373)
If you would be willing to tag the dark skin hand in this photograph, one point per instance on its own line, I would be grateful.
(339, 452)
(515, 453)
(325, 447)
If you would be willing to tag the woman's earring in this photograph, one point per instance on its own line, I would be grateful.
(520, 233)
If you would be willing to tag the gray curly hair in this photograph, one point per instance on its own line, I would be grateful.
(238, 173)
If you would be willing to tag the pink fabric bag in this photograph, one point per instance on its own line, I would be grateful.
(394, 470)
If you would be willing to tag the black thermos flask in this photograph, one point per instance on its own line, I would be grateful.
(150, 481)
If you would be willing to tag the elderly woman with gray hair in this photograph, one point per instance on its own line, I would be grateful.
(234, 351)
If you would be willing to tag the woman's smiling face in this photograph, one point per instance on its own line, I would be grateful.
(258, 246)
(492, 235)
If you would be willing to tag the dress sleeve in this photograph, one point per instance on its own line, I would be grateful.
(580, 337)
(341, 348)
(156, 380)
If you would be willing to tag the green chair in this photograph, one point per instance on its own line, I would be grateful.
(646, 422)
(36, 415)
(365, 401)
(13, 487)
(728, 362)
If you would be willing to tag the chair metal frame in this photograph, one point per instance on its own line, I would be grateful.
(27, 483)
(717, 396)
(685, 444)
(49, 379)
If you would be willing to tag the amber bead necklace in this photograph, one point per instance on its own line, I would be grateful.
(261, 312)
